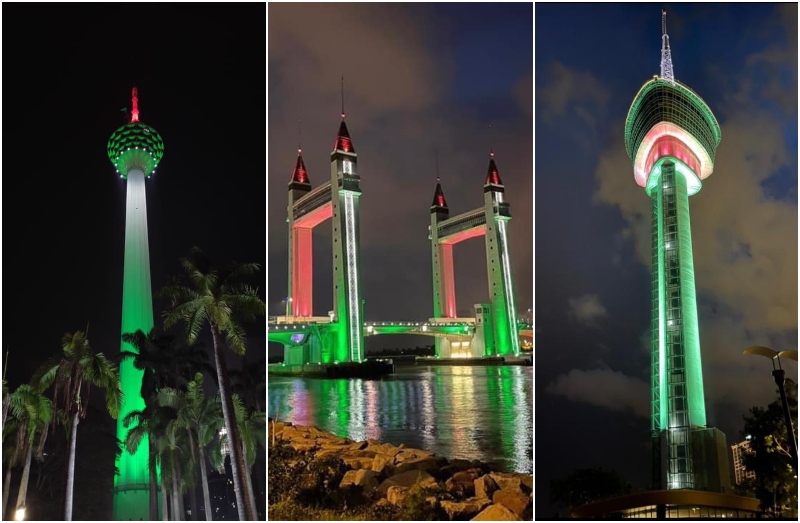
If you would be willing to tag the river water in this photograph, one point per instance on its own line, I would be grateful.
(483, 413)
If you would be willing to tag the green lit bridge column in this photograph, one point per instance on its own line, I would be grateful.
(135, 150)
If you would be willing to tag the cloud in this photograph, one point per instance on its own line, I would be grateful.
(587, 308)
(605, 388)
(578, 90)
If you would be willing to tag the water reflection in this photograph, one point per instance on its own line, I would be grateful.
(480, 413)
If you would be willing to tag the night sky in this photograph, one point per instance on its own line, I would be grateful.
(592, 222)
(67, 72)
(418, 77)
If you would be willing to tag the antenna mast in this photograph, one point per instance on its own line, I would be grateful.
(135, 111)
(342, 97)
(666, 54)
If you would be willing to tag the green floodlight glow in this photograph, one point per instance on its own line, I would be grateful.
(135, 146)
(693, 183)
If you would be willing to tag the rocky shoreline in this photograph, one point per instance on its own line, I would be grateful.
(463, 489)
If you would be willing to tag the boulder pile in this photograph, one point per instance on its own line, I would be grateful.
(464, 489)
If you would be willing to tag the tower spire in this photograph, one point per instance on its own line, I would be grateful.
(135, 111)
(666, 54)
(436, 154)
(343, 114)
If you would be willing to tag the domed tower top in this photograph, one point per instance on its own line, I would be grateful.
(135, 146)
(669, 120)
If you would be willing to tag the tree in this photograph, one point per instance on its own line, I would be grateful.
(164, 363)
(253, 432)
(73, 375)
(36, 413)
(206, 295)
(587, 485)
(200, 418)
(775, 484)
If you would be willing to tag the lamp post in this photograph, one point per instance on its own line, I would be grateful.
(780, 378)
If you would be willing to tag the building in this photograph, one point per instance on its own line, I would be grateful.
(671, 137)
(135, 150)
(740, 472)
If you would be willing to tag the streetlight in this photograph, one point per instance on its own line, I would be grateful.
(20, 514)
(780, 378)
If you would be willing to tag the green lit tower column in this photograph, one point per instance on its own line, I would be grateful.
(135, 150)
(671, 137)
(345, 194)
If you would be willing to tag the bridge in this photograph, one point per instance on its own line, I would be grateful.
(494, 330)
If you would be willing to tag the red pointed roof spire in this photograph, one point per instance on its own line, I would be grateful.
(299, 174)
(343, 141)
(439, 203)
(493, 176)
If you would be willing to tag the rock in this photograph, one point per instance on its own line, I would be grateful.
(386, 449)
(462, 483)
(424, 463)
(396, 495)
(325, 453)
(518, 503)
(456, 465)
(507, 481)
(432, 501)
(382, 465)
(496, 513)
(527, 482)
(360, 478)
(357, 462)
(485, 487)
(303, 446)
(408, 479)
(463, 510)
(358, 445)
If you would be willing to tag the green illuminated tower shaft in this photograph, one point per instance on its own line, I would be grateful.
(135, 150)
(671, 137)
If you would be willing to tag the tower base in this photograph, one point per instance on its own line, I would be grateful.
(132, 504)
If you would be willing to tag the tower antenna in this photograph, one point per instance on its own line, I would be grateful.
(436, 154)
(666, 54)
(342, 97)
(491, 147)
(299, 136)
(135, 110)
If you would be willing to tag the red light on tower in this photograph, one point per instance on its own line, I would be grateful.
(135, 111)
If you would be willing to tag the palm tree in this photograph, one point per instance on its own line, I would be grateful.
(38, 412)
(207, 295)
(253, 431)
(200, 418)
(73, 375)
(164, 364)
(149, 422)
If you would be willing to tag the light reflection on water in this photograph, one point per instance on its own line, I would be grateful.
(483, 413)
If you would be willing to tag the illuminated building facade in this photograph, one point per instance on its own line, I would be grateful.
(135, 149)
(671, 137)
(740, 472)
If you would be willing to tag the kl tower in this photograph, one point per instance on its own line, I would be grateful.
(671, 137)
(135, 150)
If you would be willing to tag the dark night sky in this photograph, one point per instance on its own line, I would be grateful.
(592, 221)
(67, 71)
(417, 77)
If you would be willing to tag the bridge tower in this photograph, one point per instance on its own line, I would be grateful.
(345, 193)
(498, 326)
(300, 245)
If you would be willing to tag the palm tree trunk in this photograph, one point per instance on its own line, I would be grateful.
(164, 505)
(23, 484)
(237, 466)
(153, 483)
(73, 438)
(193, 491)
(204, 479)
(6, 487)
(248, 479)
(176, 515)
(181, 507)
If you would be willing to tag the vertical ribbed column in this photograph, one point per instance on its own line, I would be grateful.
(131, 487)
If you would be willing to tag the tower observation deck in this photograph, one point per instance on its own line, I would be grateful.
(671, 137)
(135, 149)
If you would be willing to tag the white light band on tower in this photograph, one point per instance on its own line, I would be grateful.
(501, 225)
(352, 277)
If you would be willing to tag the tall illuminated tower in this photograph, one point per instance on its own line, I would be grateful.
(345, 194)
(135, 150)
(671, 137)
